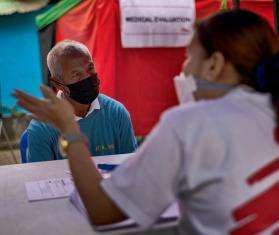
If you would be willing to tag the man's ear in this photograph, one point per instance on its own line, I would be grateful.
(215, 66)
(56, 84)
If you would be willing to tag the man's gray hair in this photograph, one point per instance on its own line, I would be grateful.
(64, 49)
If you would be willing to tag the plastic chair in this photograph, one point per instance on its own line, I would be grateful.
(23, 146)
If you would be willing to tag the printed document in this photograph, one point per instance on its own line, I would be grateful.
(49, 189)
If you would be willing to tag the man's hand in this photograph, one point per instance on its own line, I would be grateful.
(58, 112)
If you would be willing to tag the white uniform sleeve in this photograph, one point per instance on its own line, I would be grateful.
(146, 185)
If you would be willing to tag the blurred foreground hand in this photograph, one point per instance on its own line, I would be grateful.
(58, 112)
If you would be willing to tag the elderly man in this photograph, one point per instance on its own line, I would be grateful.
(105, 122)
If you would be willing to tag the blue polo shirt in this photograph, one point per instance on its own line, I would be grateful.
(108, 129)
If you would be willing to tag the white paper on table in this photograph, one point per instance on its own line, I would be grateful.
(49, 189)
(170, 215)
(76, 200)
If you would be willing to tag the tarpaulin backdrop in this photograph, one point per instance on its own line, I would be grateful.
(20, 64)
(142, 79)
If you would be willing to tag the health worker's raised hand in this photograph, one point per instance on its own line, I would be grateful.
(58, 112)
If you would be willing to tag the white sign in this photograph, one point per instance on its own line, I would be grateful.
(156, 23)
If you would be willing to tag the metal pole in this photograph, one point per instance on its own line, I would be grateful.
(8, 141)
(236, 4)
(276, 15)
(4, 129)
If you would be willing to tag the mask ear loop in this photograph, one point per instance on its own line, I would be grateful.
(58, 83)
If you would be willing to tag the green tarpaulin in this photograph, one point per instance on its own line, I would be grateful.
(55, 12)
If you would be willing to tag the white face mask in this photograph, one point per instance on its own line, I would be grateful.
(184, 87)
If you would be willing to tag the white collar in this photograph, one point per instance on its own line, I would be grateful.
(94, 105)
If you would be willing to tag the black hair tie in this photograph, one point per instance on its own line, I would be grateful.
(267, 75)
(261, 76)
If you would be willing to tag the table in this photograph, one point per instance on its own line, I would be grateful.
(50, 217)
(59, 216)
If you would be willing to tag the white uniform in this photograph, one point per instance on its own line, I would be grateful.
(217, 158)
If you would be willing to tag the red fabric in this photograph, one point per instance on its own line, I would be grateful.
(142, 79)
(262, 7)
(267, 170)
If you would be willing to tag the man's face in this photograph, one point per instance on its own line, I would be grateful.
(73, 70)
(76, 69)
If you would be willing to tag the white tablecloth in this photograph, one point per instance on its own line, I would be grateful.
(50, 217)
(59, 216)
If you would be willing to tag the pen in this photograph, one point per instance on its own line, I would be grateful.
(107, 167)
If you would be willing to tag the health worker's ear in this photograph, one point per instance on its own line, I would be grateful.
(213, 66)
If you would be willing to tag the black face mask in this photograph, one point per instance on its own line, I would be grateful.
(84, 91)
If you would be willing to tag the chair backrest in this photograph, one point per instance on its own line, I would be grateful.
(23, 145)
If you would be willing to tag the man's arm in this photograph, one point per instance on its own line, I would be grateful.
(40, 146)
(127, 139)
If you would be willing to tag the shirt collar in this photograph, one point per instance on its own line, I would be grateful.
(261, 100)
(94, 105)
